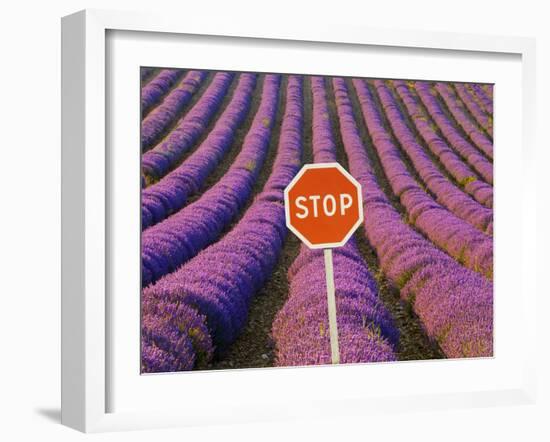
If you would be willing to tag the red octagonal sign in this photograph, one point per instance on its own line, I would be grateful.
(323, 205)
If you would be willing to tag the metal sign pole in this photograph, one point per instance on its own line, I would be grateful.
(331, 298)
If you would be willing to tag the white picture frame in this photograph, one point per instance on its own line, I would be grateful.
(85, 215)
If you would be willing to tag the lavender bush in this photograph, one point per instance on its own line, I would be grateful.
(170, 243)
(446, 193)
(455, 304)
(218, 284)
(457, 110)
(170, 193)
(458, 238)
(165, 156)
(157, 121)
(154, 90)
(475, 108)
(455, 139)
(483, 97)
(458, 169)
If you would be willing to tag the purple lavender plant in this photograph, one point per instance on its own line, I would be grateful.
(455, 304)
(480, 164)
(165, 156)
(476, 110)
(457, 168)
(483, 97)
(170, 243)
(450, 233)
(154, 90)
(220, 282)
(457, 110)
(157, 121)
(170, 194)
(446, 193)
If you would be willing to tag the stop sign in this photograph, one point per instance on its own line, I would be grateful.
(323, 205)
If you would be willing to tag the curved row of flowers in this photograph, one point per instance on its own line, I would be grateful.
(458, 238)
(158, 161)
(478, 113)
(300, 329)
(466, 150)
(457, 110)
(488, 90)
(460, 171)
(153, 92)
(454, 303)
(170, 243)
(446, 193)
(145, 73)
(482, 97)
(170, 194)
(157, 121)
(201, 308)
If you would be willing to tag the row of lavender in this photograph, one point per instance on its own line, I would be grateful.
(481, 140)
(483, 95)
(476, 107)
(445, 191)
(159, 119)
(146, 73)
(172, 242)
(162, 158)
(155, 90)
(170, 194)
(456, 139)
(199, 310)
(440, 148)
(458, 238)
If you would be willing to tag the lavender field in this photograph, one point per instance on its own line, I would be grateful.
(226, 285)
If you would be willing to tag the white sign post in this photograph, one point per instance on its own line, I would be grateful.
(331, 300)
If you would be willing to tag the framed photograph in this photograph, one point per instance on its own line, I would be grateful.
(261, 220)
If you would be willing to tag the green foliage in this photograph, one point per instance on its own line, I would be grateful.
(442, 335)
(404, 278)
(467, 180)
(473, 348)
